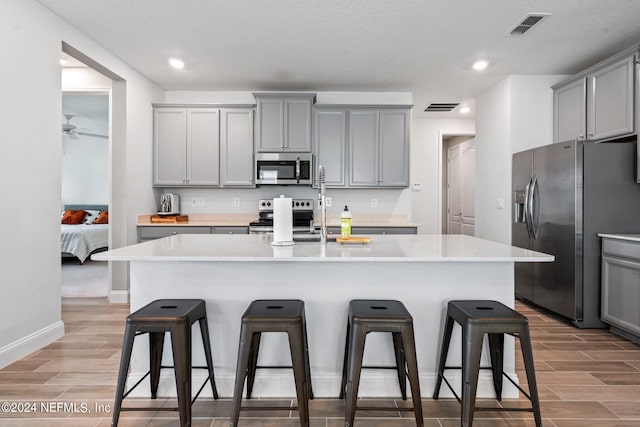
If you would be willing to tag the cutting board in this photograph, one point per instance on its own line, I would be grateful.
(353, 239)
(169, 219)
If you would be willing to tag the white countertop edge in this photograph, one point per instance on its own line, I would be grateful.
(629, 237)
(156, 258)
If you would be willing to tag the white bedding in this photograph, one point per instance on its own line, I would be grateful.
(82, 239)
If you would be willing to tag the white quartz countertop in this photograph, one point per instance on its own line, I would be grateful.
(631, 237)
(257, 247)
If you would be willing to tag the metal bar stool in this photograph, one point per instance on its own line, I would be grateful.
(379, 316)
(273, 316)
(176, 317)
(478, 318)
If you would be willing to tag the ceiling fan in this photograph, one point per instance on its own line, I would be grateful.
(72, 131)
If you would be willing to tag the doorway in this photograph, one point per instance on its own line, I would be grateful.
(458, 177)
(104, 79)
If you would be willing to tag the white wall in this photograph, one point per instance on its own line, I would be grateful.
(426, 168)
(514, 115)
(30, 158)
(85, 159)
(85, 170)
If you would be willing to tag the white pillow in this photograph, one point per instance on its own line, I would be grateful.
(91, 216)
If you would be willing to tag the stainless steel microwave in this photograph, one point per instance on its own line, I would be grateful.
(283, 168)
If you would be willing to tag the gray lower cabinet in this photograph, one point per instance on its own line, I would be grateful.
(364, 231)
(152, 232)
(203, 146)
(621, 286)
(599, 103)
(283, 121)
(230, 230)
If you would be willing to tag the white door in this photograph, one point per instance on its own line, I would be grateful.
(461, 169)
(467, 173)
(454, 191)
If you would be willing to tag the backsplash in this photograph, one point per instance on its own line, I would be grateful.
(387, 201)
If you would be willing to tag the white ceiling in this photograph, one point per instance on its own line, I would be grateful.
(422, 46)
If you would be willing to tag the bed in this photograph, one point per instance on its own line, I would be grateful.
(81, 240)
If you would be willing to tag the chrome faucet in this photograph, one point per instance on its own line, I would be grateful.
(323, 207)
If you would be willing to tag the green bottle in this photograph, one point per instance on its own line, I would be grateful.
(345, 223)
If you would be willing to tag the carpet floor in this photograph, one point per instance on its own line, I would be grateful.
(84, 280)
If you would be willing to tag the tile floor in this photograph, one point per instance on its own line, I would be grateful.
(586, 378)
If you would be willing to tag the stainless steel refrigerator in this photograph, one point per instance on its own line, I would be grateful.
(564, 194)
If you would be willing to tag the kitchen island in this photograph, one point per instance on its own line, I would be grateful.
(229, 271)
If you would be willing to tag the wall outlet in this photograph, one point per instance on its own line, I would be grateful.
(236, 202)
(499, 203)
(327, 201)
(374, 203)
(197, 202)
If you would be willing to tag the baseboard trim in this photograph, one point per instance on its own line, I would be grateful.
(32, 342)
(119, 297)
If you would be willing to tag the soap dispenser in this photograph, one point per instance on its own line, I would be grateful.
(345, 222)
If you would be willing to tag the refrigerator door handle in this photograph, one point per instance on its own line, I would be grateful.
(527, 215)
(532, 214)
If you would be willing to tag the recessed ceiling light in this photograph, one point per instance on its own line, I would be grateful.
(176, 63)
(465, 110)
(63, 61)
(480, 65)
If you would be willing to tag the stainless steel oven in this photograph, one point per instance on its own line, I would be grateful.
(302, 217)
(283, 168)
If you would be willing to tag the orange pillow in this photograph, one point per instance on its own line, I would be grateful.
(73, 217)
(102, 218)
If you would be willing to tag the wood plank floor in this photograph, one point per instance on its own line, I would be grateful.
(586, 378)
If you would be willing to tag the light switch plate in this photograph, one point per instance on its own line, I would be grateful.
(236, 202)
(499, 203)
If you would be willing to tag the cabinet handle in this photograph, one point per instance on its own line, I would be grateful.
(590, 134)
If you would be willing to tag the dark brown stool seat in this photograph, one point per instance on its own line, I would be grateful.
(379, 316)
(273, 316)
(176, 317)
(495, 319)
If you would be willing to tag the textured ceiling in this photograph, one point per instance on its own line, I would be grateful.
(422, 46)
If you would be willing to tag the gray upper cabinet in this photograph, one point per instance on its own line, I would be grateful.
(330, 144)
(569, 106)
(236, 147)
(610, 100)
(186, 146)
(169, 146)
(202, 146)
(283, 122)
(597, 104)
(378, 141)
(363, 147)
(394, 148)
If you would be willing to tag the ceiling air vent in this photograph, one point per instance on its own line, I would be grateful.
(442, 108)
(527, 23)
